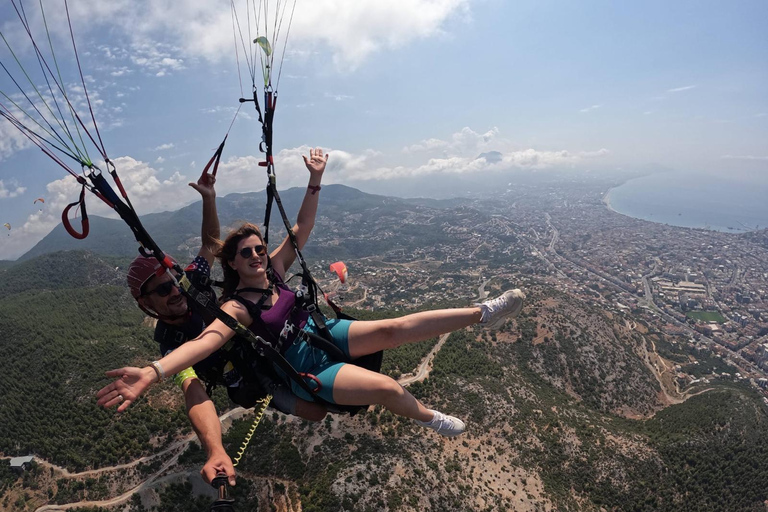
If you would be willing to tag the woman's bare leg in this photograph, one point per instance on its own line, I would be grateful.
(367, 337)
(357, 386)
(370, 337)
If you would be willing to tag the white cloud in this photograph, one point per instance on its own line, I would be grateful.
(746, 157)
(175, 179)
(121, 71)
(465, 141)
(194, 29)
(426, 145)
(590, 109)
(11, 139)
(681, 89)
(365, 167)
(159, 160)
(338, 97)
(15, 190)
(163, 147)
(459, 155)
(156, 57)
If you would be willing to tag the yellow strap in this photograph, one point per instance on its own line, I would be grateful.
(259, 413)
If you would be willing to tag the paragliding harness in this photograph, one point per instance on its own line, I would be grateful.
(292, 333)
(307, 293)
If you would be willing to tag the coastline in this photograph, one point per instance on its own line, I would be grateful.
(607, 199)
(656, 201)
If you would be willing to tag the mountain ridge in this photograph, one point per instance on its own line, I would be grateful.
(175, 230)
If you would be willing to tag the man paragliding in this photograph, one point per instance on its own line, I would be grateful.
(341, 270)
(8, 226)
(39, 200)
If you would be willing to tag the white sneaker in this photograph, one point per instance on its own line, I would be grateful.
(443, 424)
(496, 311)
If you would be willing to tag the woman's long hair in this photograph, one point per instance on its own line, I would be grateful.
(227, 251)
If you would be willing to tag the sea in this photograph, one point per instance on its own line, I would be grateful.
(694, 201)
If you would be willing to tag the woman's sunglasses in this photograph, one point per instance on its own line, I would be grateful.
(162, 290)
(246, 252)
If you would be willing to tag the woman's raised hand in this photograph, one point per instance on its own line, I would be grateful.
(316, 161)
(129, 384)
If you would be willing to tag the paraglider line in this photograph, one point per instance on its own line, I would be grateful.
(85, 89)
(248, 62)
(69, 103)
(237, 52)
(62, 123)
(55, 134)
(37, 138)
(61, 81)
(282, 57)
(31, 82)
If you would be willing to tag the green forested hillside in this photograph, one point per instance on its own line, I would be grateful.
(58, 339)
(62, 270)
(707, 454)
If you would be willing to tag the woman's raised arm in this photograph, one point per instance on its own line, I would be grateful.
(283, 257)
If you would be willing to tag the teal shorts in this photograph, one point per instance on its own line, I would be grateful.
(307, 359)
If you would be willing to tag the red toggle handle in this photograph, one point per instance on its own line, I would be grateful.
(83, 219)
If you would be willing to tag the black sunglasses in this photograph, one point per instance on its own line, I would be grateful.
(246, 252)
(162, 290)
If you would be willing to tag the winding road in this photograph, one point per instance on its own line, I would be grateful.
(152, 480)
(422, 372)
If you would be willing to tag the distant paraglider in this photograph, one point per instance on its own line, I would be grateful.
(39, 200)
(9, 228)
(341, 270)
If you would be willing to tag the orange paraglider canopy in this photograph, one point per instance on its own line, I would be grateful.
(341, 270)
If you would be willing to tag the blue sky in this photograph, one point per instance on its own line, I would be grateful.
(401, 89)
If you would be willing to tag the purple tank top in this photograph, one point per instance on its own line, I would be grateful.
(276, 317)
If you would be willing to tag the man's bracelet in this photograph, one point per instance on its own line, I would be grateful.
(158, 370)
(314, 188)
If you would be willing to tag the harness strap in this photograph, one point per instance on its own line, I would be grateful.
(268, 211)
(326, 346)
(263, 291)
